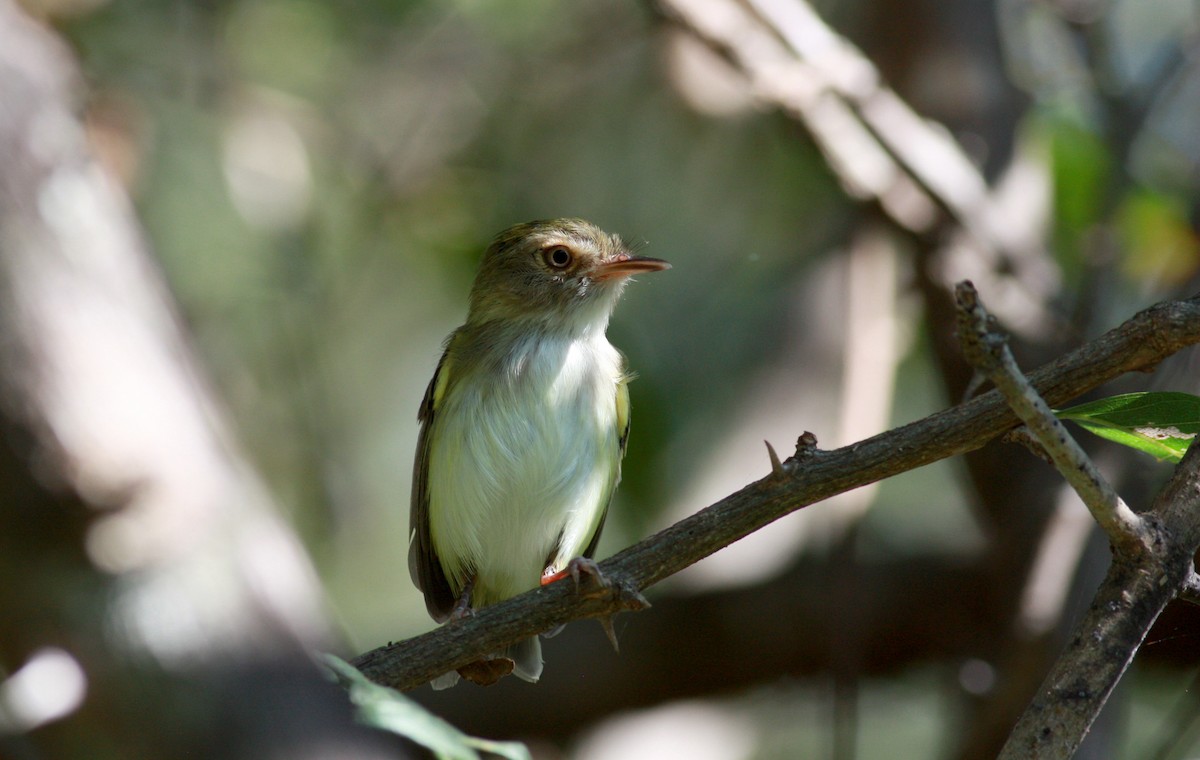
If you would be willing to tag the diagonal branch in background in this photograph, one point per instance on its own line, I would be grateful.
(1137, 345)
(880, 148)
(886, 154)
(799, 89)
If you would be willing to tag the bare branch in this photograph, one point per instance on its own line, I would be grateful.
(986, 349)
(1138, 344)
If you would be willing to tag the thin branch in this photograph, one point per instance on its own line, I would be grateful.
(810, 476)
(987, 349)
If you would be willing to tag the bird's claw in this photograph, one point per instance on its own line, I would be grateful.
(586, 575)
(591, 583)
(584, 568)
(462, 608)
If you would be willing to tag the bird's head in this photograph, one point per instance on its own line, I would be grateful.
(561, 273)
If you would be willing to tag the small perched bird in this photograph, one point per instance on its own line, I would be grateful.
(523, 425)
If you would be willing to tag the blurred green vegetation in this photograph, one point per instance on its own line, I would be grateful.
(319, 183)
(319, 180)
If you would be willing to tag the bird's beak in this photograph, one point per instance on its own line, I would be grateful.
(625, 264)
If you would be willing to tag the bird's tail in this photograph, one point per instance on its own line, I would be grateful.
(445, 680)
(527, 658)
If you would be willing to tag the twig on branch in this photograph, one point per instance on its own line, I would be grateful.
(987, 350)
(1137, 345)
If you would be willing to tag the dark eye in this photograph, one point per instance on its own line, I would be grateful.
(559, 257)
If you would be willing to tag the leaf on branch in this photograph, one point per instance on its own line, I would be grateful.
(1160, 424)
(389, 710)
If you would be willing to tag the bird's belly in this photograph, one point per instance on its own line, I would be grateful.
(513, 493)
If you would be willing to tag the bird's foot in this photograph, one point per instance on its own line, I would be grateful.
(462, 608)
(586, 574)
(591, 583)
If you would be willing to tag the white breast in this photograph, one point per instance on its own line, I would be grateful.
(523, 460)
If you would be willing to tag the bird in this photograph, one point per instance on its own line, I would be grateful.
(522, 427)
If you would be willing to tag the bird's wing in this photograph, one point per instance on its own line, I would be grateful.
(622, 438)
(423, 563)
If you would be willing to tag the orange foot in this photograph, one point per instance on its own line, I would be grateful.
(577, 568)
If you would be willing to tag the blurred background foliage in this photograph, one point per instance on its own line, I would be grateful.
(319, 179)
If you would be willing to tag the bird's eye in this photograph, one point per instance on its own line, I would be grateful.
(559, 257)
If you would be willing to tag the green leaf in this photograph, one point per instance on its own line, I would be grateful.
(389, 710)
(1159, 424)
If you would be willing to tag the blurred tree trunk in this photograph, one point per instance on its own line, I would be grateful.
(154, 604)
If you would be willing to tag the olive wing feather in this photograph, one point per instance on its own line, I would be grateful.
(622, 440)
(423, 563)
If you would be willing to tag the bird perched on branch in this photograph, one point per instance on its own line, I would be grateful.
(523, 427)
